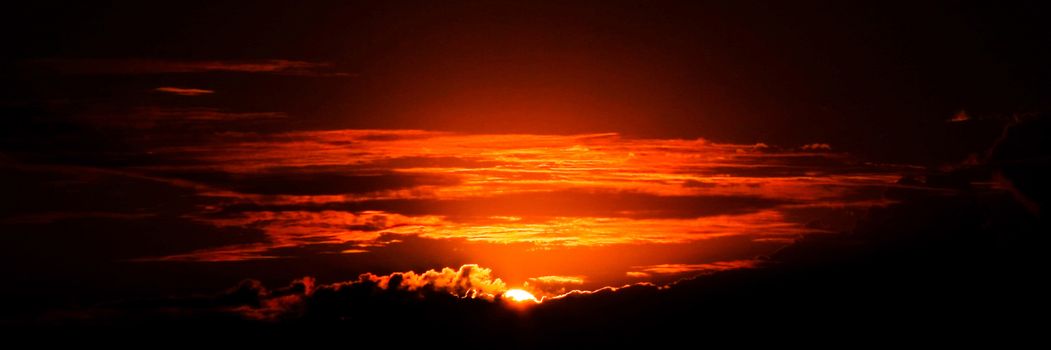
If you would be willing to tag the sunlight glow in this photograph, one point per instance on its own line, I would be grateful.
(518, 296)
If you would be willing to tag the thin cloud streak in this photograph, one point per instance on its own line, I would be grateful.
(132, 66)
(184, 91)
(675, 269)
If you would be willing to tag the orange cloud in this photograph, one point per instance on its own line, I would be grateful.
(349, 187)
(468, 281)
(673, 269)
(558, 279)
(547, 286)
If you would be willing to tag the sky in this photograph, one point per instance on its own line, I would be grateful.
(536, 164)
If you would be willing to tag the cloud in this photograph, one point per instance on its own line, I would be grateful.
(468, 281)
(113, 239)
(546, 205)
(960, 116)
(676, 269)
(65, 191)
(337, 226)
(157, 66)
(305, 298)
(312, 180)
(314, 195)
(183, 91)
(817, 147)
(169, 126)
(546, 286)
(187, 114)
(558, 279)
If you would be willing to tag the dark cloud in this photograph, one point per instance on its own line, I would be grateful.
(698, 184)
(70, 234)
(85, 259)
(65, 190)
(785, 164)
(313, 180)
(567, 203)
(63, 240)
(428, 162)
(303, 298)
(180, 118)
(163, 66)
(78, 133)
(379, 135)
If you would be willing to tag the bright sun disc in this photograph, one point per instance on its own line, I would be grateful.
(519, 296)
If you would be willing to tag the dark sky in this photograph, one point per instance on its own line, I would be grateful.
(876, 78)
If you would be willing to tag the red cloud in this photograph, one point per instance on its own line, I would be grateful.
(184, 91)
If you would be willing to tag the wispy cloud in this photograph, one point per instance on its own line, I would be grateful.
(106, 66)
(183, 91)
(173, 118)
(676, 269)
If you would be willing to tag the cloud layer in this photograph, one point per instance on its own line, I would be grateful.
(347, 186)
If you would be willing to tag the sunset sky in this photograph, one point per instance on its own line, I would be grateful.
(529, 160)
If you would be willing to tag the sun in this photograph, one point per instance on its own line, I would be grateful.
(518, 295)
